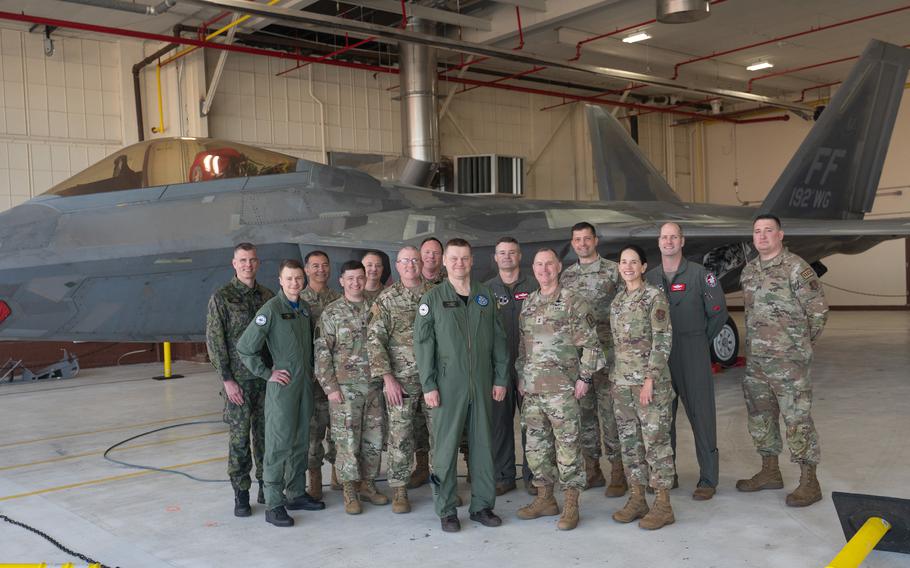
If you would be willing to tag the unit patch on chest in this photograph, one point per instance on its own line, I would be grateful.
(519, 296)
(677, 287)
(482, 300)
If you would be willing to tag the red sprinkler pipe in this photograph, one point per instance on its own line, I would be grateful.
(785, 37)
(598, 96)
(802, 95)
(797, 69)
(322, 58)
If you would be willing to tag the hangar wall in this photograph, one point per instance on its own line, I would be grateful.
(756, 154)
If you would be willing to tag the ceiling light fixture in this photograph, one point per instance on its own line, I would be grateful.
(759, 66)
(634, 38)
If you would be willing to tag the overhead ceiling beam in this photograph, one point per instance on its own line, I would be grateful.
(539, 5)
(259, 23)
(309, 20)
(425, 12)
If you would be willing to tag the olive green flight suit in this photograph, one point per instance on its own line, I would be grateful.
(288, 334)
(461, 351)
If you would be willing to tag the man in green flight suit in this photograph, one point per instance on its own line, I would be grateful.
(462, 357)
(284, 324)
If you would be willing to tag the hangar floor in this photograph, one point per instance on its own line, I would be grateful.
(52, 477)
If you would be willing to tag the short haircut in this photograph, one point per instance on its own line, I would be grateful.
(411, 248)
(245, 247)
(769, 216)
(352, 265)
(372, 252)
(291, 263)
(584, 225)
(431, 239)
(311, 254)
(458, 242)
(510, 240)
(638, 250)
(675, 224)
(547, 249)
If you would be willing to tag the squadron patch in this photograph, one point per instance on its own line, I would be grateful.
(423, 309)
(482, 300)
(590, 319)
(807, 273)
(711, 280)
(660, 315)
(261, 320)
(503, 300)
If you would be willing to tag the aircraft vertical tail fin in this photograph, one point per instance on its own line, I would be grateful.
(835, 172)
(623, 172)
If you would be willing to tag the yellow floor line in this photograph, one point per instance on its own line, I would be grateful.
(99, 452)
(107, 479)
(113, 429)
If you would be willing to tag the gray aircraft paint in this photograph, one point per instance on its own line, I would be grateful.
(140, 264)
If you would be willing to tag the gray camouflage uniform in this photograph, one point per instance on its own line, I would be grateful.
(230, 310)
(319, 425)
(597, 283)
(342, 364)
(786, 312)
(642, 338)
(558, 345)
(390, 345)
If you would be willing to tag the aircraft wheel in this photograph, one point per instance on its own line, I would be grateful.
(725, 346)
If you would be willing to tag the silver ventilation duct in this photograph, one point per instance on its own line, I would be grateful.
(682, 11)
(125, 6)
(419, 120)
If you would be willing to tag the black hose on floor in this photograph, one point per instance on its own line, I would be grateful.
(51, 540)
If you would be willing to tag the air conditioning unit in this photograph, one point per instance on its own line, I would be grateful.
(489, 174)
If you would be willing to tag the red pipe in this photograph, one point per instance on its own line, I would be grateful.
(796, 69)
(501, 79)
(322, 58)
(519, 47)
(802, 95)
(785, 37)
(598, 96)
(618, 31)
(296, 57)
(404, 16)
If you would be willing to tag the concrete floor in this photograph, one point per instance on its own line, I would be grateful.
(52, 476)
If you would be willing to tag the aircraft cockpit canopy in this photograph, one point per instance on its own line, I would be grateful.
(168, 161)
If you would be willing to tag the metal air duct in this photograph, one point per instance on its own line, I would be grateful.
(419, 120)
(682, 11)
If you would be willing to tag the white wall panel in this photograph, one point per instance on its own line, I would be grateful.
(58, 114)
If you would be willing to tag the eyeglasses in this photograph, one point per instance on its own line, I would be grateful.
(408, 260)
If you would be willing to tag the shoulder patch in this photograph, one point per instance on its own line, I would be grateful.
(482, 300)
(660, 315)
(590, 319)
(711, 280)
(423, 309)
(807, 273)
(374, 312)
(261, 320)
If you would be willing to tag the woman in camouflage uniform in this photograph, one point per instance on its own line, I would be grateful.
(642, 391)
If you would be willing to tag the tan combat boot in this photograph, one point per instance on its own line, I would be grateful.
(636, 507)
(661, 514)
(421, 474)
(809, 490)
(351, 500)
(569, 518)
(400, 502)
(368, 491)
(314, 488)
(768, 478)
(544, 505)
(593, 473)
(336, 485)
(618, 484)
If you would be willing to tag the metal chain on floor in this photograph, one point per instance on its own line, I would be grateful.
(51, 540)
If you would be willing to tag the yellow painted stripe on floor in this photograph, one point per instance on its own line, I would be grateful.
(107, 479)
(112, 429)
(100, 452)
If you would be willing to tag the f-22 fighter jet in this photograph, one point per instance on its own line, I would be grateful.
(131, 248)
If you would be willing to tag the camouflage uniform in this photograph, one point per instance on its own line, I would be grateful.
(342, 365)
(319, 425)
(642, 338)
(598, 283)
(785, 314)
(553, 331)
(391, 348)
(230, 310)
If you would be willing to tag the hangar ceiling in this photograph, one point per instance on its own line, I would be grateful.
(811, 44)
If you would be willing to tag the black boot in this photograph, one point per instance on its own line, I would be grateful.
(242, 503)
(261, 497)
(279, 517)
(305, 502)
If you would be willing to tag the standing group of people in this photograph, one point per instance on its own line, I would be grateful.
(597, 356)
